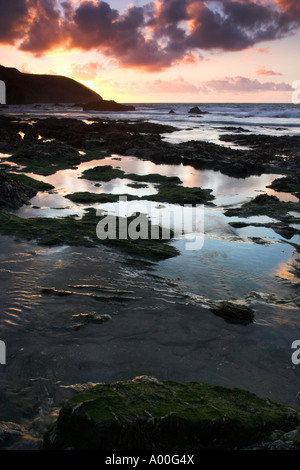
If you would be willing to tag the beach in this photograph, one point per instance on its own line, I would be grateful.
(75, 311)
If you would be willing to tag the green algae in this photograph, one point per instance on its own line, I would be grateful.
(49, 158)
(102, 173)
(107, 173)
(169, 189)
(174, 194)
(145, 414)
(30, 183)
(171, 194)
(89, 198)
(82, 232)
(45, 166)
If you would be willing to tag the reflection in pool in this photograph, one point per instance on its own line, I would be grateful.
(227, 190)
(251, 257)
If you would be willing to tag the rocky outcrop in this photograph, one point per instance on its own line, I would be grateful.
(16, 189)
(27, 88)
(145, 414)
(234, 313)
(106, 105)
(196, 110)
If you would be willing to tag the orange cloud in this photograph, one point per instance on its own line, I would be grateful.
(262, 71)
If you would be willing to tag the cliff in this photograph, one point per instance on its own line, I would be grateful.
(27, 88)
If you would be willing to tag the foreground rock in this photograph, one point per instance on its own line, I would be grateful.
(28, 88)
(145, 414)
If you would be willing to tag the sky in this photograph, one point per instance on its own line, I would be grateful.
(161, 51)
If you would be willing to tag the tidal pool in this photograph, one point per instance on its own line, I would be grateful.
(227, 190)
(227, 262)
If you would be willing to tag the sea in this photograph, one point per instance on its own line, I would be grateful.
(157, 316)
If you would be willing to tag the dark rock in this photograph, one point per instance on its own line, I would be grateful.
(14, 193)
(171, 111)
(106, 105)
(287, 184)
(195, 110)
(27, 88)
(9, 433)
(234, 313)
(275, 146)
(16, 437)
(265, 199)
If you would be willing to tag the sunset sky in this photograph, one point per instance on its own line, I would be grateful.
(160, 51)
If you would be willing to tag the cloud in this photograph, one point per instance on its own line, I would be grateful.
(84, 72)
(178, 85)
(45, 29)
(262, 71)
(245, 85)
(24, 68)
(152, 37)
(13, 16)
(289, 7)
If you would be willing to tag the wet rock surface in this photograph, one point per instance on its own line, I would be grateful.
(234, 313)
(287, 184)
(284, 214)
(16, 190)
(143, 140)
(146, 414)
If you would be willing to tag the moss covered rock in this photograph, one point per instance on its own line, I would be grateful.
(145, 414)
(17, 189)
(234, 313)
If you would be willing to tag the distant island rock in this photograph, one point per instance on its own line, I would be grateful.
(106, 105)
(28, 88)
(196, 110)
